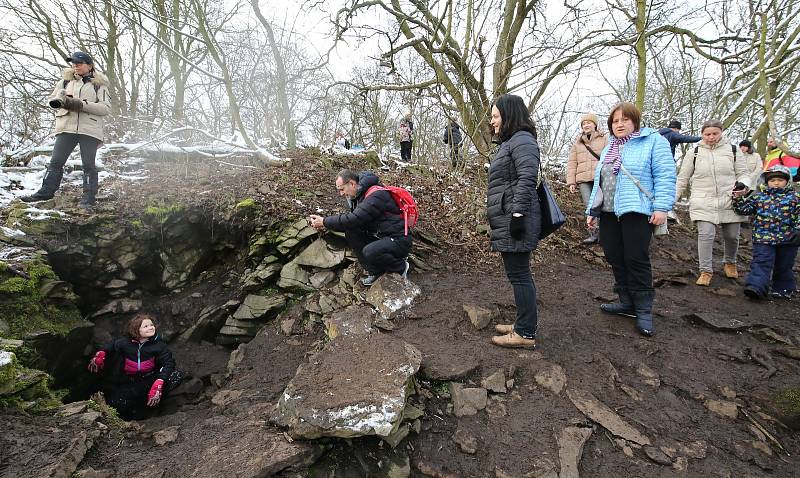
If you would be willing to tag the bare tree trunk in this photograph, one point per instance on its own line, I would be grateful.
(282, 79)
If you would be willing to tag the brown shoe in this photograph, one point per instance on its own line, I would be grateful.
(704, 279)
(730, 271)
(514, 341)
(504, 328)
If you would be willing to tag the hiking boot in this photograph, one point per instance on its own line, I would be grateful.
(623, 307)
(704, 279)
(753, 293)
(514, 341)
(405, 271)
(504, 328)
(590, 240)
(37, 196)
(730, 271)
(643, 303)
(369, 280)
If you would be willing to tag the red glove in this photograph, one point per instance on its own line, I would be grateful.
(155, 393)
(97, 362)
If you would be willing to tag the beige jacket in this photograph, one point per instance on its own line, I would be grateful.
(581, 163)
(754, 164)
(711, 178)
(96, 104)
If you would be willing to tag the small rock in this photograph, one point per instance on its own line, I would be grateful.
(196, 295)
(92, 473)
(496, 409)
(552, 378)
(631, 392)
(383, 324)
(723, 408)
(681, 464)
(628, 451)
(71, 409)
(433, 472)
(650, 377)
(287, 326)
(442, 367)
(479, 316)
(467, 442)
(495, 382)
(499, 473)
(467, 401)
(762, 447)
(728, 393)
(225, 397)
(657, 456)
(696, 449)
(167, 435)
(542, 468)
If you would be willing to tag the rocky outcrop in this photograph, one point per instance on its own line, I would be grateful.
(356, 386)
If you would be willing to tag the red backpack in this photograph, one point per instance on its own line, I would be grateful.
(404, 201)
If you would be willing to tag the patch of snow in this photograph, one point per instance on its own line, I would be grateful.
(6, 358)
(11, 232)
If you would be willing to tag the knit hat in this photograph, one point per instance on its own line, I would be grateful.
(746, 142)
(591, 117)
(674, 124)
(778, 171)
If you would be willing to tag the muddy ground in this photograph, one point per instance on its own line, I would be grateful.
(659, 385)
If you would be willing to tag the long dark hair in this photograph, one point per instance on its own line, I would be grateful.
(514, 115)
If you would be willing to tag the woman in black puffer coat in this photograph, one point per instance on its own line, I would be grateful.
(513, 210)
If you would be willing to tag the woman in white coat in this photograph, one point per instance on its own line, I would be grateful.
(713, 172)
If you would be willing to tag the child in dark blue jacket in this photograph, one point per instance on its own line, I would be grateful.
(776, 235)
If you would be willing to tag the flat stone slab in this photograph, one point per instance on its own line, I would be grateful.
(600, 413)
(257, 306)
(570, 449)
(320, 254)
(720, 322)
(356, 386)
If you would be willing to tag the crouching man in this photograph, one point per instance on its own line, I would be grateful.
(374, 227)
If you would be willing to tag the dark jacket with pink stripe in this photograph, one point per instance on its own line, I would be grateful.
(139, 359)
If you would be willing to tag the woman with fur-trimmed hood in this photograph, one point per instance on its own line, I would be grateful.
(81, 102)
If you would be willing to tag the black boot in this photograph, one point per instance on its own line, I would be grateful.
(89, 189)
(623, 307)
(643, 303)
(50, 183)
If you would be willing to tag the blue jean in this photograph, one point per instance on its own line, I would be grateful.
(518, 270)
(775, 262)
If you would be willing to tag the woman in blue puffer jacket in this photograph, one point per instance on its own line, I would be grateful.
(512, 207)
(627, 213)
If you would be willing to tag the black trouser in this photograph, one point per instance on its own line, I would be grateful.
(626, 245)
(405, 151)
(129, 395)
(455, 155)
(518, 271)
(65, 143)
(379, 255)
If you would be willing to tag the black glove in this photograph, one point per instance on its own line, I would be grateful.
(56, 103)
(517, 228)
(793, 239)
(72, 104)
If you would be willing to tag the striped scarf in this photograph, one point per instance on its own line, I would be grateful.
(614, 154)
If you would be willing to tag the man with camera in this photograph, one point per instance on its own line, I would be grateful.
(374, 227)
(81, 103)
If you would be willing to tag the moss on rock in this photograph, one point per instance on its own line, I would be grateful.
(25, 309)
(787, 403)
